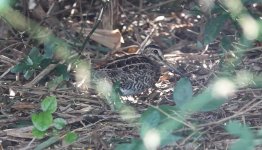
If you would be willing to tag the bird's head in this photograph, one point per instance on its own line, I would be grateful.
(154, 53)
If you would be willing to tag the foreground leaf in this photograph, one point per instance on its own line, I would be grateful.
(183, 92)
(59, 123)
(49, 104)
(213, 27)
(37, 133)
(42, 121)
(70, 137)
(246, 137)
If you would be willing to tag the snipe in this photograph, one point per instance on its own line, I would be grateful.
(136, 72)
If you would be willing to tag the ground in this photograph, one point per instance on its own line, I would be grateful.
(39, 57)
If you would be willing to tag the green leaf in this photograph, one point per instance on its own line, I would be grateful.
(152, 118)
(59, 123)
(170, 139)
(149, 119)
(236, 128)
(28, 74)
(42, 120)
(213, 27)
(55, 82)
(226, 43)
(49, 48)
(29, 61)
(49, 104)
(61, 69)
(135, 144)
(183, 92)
(47, 143)
(259, 38)
(70, 137)
(246, 141)
(34, 58)
(34, 52)
(243, 144)
(246, 2)
(19, 67)
(213, 104)
(114, 98)
(37, 133)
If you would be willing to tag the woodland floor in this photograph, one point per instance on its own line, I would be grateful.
(87, 113)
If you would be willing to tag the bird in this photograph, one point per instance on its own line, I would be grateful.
(135, 73)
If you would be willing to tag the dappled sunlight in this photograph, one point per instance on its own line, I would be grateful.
(234, 6)
(152, 139)
(244, 78)
(104, 87)
(250, 26)
(206, 5)
(82, 75)
(223, 88)
(95, 70)
(128, 114)
(3, 4)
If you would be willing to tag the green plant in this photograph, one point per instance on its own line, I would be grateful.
(158, 124)
(36, 60)
(43, 121)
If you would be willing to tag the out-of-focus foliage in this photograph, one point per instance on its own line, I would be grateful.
(161, 121)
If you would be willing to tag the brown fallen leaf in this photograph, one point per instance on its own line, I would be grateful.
(109, 38)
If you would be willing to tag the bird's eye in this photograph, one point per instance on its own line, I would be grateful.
(155, 51)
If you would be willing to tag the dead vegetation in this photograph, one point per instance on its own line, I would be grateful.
(171, 24)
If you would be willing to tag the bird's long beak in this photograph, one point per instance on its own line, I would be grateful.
(173, 69)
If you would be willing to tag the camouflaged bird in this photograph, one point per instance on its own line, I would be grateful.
(135, 73)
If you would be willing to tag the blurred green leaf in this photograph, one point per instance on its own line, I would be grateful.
(45, 62)
(114, 98)
(34, 58)
(28, 74)
(159, 120)
(250, 1)
(55, 82)
(42, 120)
(61, 69)
(70, 137)
(29, 61)
(200, 102)
(169, 139)
(213, 27)
(199, 45)
(246, 141)
(238, 129)
(149, 119)
(34, 52)
(59, 123)
(19, 67)
(183, 92)
(47, 143)
(226, 43)
(37, 133)
(243, 144)
(213, 104)
(49, 47)
(134, 145)
(49, 104)
(259, 38)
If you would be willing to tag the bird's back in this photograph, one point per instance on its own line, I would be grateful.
(135, 73)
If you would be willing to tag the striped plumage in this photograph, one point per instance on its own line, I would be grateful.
(136, 72)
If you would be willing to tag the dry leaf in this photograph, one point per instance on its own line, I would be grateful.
(109, 38)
